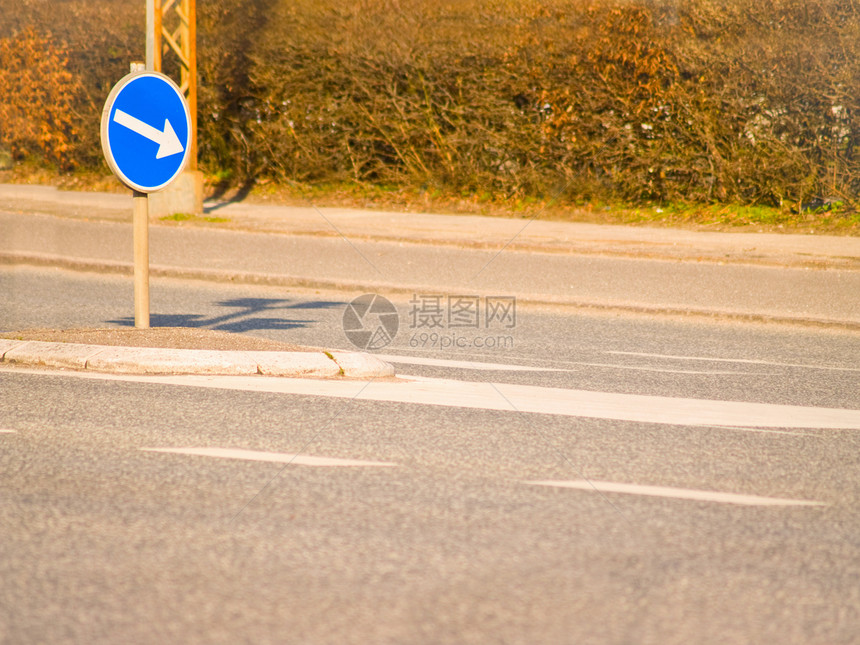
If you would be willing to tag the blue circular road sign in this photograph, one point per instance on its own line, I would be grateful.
(146, 131)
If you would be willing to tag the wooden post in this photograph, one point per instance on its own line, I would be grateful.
(191, 51)
(182, 41)
(150, 35)
(140, 227)
(157, 19)
(174, 34)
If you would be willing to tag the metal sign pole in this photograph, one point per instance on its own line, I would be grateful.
(140, 216)
(141, 260)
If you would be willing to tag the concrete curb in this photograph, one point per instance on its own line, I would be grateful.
(153, 360)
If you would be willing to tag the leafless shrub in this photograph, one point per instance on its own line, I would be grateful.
(751, 101)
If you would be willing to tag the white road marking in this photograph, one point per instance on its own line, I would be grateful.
(640, 368)
(8, 431)
(677, 493)
(501, 367)
(523, 398)
(747, 361)
(277, 457)
(794, 434)
(468, 365)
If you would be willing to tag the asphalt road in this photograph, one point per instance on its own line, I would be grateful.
(173, 510)
(735, 289)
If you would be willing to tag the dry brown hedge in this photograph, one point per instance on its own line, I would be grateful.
(752, 101)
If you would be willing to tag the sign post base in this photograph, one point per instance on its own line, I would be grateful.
(184, 195)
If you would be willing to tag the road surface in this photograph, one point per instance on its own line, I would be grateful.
(588, 479)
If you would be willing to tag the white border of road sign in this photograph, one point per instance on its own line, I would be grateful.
(105, 123)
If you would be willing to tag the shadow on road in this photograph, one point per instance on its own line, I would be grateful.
(247, 315)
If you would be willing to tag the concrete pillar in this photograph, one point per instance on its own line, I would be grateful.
(184, 195)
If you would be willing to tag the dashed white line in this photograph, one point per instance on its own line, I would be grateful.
(762, 430)
(747, 361)
(676, 493)
(502, 367)
(276, 457)
(8, 431)
(468, 365)
(641, 368)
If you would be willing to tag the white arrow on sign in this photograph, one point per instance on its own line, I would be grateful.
(168, 142)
